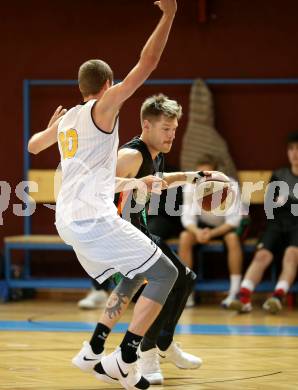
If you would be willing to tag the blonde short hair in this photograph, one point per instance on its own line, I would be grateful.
(158, 105)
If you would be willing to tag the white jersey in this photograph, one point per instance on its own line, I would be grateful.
(86, 217)
(88, 163)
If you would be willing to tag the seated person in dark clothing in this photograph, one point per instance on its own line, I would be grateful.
(281, 234)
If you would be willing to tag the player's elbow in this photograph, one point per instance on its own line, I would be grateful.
(149, 62)
(33, 147)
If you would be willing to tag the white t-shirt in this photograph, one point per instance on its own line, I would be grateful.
(192, 213)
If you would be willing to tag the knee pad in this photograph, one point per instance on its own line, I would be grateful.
(186, 277)
(161, 278)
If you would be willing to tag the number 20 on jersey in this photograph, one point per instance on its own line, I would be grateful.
(69, 143)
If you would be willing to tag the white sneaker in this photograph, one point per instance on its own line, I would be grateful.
(179, 358)
(86, 359)
(226, 303)
(273, 305)
(94, 299)
(112, 366)
(149, 366)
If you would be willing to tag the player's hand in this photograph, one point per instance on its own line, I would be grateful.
(199, 236)
(203, 236)
(59, 112)
(206, 235)
(154, 184)
(196, 176)
(202, 176)
(168, 7)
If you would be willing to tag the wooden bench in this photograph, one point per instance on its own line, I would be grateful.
(45, 180)
(32, 242)
(37, 242)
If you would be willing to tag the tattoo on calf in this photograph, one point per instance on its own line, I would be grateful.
(114, 303)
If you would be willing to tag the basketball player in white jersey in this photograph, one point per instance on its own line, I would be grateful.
(86, 217)
(143, 156)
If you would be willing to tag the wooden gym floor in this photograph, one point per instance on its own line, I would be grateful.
(254, 351)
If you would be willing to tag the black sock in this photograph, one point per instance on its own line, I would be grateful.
(147, 344)
(98, 339)
(164, 340)
(129, 347)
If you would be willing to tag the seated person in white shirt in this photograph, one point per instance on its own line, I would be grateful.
(202, 226)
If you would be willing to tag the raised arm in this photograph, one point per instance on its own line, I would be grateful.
(115, 96)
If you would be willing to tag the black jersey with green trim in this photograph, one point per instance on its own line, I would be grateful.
(288, 210)
(129, 209)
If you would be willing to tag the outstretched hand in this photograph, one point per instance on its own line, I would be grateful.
(168, 7)
(202, 176)
(154, 183)
(216, 175)
(59, 112)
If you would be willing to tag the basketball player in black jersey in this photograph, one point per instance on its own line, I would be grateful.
(140, 157)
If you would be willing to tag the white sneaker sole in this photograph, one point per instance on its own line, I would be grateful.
(187, 366)
(84, 369)
(104, 378)
(154, 379)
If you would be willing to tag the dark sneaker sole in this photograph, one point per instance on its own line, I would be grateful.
(272, 308)
(235, 305)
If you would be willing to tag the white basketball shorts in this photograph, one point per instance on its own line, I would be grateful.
(109, 245)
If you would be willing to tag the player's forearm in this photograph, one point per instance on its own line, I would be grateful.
(175, 179)
(126, 184)
(221, 230)
(155, 45)
(41, 141)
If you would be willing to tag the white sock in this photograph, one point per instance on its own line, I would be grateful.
(248, 284)
(282, 285)
(234, 284)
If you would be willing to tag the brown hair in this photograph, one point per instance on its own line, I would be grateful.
(292, 137)
(93, 74)
(157, 105)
